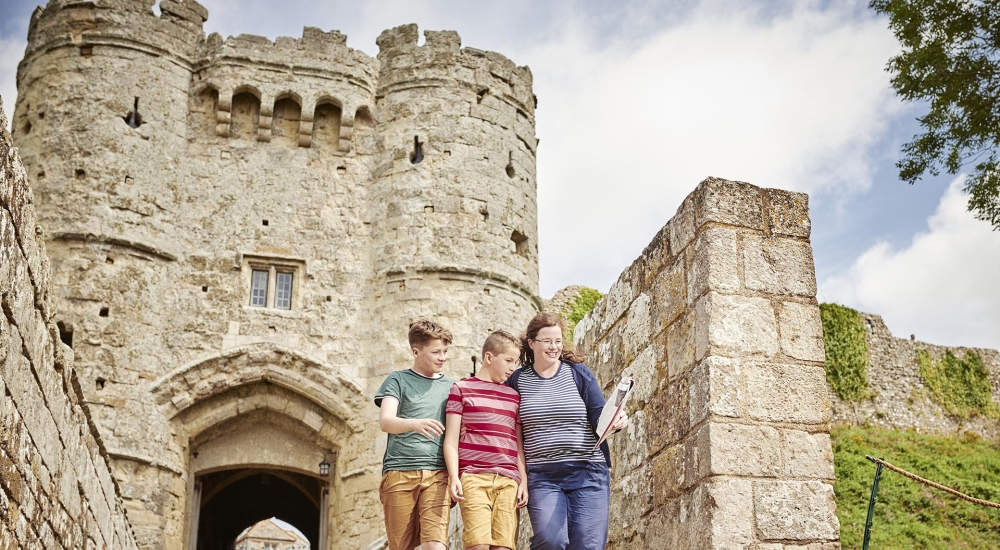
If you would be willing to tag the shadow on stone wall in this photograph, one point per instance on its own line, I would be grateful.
(57, 488)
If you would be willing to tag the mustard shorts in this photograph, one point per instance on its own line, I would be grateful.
(489, 510)
(416, 506)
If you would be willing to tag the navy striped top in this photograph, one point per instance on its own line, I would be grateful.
(554, 419)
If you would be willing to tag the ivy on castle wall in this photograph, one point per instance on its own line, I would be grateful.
(846, 351)
(578, 308)
(959, 386)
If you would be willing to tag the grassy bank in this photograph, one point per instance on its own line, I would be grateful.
(910, 515)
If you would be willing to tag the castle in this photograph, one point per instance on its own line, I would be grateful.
(238, 233)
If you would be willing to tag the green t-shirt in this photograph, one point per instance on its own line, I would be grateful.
(419, 397)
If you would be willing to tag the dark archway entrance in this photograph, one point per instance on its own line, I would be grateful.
(232, 500)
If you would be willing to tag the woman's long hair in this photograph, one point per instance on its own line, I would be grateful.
(537, 323)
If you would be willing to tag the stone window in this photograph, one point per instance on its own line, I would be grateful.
(273, 282)
(283, 290)
(258, 288)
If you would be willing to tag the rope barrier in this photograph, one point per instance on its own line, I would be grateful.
(929, 483)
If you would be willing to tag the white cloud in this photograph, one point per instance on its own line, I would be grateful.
(11, 51)
(942, 287)
(794, 101)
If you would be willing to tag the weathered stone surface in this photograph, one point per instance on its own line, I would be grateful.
(730, 411)
(801, 331)
(795, 510)
(789, 213)
(717, 387)
(735, 325)
(802, 399)
(806, 454)
(56, 489)
(778, 265)
(742, 450)
(730, 202)
(714, 266)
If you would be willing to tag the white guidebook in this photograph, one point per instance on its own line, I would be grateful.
(614, 408)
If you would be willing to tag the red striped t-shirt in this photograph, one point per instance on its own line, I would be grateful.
(489, 415)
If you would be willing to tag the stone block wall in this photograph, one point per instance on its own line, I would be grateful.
(717, 321)
(56, 489)
(900, 399)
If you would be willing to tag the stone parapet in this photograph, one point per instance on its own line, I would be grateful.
(718, 323)
(56, 487)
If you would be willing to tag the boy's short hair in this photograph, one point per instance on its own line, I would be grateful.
(499, 341)
(424, 330)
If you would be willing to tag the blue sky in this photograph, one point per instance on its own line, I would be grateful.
(640, 100)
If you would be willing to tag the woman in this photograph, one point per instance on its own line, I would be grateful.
(569, 480)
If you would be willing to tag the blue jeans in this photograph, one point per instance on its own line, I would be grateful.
(568, 505)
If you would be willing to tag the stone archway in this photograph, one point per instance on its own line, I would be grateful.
(254, 423)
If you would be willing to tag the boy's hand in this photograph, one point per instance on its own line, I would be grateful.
(428, 427)
(455, 487)
(522, 495)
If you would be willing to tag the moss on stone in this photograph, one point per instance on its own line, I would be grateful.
(960, 386)
(576, 309)
(846, 351)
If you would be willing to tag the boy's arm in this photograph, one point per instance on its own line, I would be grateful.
(522, 469)
(453, 425)
(390, 423)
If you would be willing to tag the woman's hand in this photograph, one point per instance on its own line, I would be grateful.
(621, 423)
(455, 487)
(522, 494)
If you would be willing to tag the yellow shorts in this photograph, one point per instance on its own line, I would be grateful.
(416, 506)
(489, 510)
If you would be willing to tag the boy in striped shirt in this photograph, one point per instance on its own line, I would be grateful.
(486, 472)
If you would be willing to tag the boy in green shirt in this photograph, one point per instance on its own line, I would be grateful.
(414, 488)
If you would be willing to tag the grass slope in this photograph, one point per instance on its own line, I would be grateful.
(910, 515)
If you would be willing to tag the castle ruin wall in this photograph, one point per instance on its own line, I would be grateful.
(56, 485)
(899, 398)
(718, 324)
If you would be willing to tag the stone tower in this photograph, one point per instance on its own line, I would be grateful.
(241, 230)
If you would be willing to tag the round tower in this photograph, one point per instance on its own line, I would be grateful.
(453, 212)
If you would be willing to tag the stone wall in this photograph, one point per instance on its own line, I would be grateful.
(899, 397)
(717, 321)
(56, 488)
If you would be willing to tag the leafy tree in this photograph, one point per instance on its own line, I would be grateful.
(951, 58)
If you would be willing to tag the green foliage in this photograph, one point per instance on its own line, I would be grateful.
(951, 59)
(578, 308)
(846, 351)
(910, 515)
(960, 386)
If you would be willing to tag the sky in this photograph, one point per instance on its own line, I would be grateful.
(640, 100)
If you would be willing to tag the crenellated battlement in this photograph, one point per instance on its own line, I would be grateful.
(122, 24)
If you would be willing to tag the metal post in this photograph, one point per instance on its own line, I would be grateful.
(871, 503)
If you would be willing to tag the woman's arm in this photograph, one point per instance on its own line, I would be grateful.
(453, 425)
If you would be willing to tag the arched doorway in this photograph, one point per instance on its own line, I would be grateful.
(253, 425)
(232, 500)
